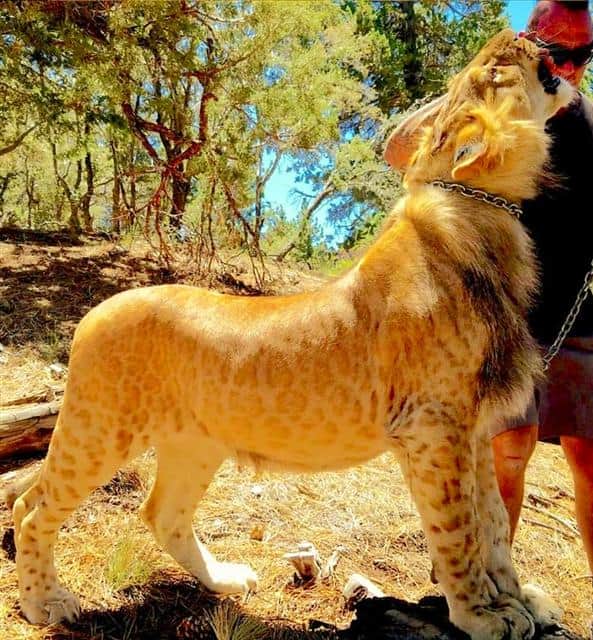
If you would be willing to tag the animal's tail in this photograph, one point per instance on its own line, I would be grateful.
(14, 490)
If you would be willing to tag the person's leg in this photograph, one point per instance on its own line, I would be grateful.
(579, 454)
(512, 450)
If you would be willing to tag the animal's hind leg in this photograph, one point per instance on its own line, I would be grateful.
(69, 473)
(494, 522)
(183, 474)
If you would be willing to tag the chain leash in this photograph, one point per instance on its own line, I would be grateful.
(570, 318)
(516, 211)
(478, 194)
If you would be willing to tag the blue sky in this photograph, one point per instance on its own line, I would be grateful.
(278, 189)
(518, 12)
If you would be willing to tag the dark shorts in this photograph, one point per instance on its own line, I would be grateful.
(563, 405)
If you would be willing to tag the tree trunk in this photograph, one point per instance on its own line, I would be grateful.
(85, 201)
(132, 204)
(4, 182)
(30, 191)
(180, 188)
(74, 225)
(74, 220)
(116, 192)
(31, 200)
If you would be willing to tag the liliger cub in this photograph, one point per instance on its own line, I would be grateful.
(417, 349)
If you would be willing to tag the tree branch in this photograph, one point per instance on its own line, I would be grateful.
(327, 190)
(18, 141)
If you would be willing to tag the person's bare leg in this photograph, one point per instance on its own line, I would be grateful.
(579, 455)
(512, 451)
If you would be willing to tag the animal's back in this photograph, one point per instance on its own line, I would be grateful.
(286, 380)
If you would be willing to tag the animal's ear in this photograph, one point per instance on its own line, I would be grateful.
(470, 154)
(403, 142)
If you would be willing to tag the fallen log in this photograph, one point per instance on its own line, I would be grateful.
(27, 429)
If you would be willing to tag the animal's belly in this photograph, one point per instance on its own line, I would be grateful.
(312, 438)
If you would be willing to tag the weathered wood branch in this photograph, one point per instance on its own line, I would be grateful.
(27, 429)
(565, 523)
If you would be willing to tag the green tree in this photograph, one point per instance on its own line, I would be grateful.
(423, 43)
(175, 115)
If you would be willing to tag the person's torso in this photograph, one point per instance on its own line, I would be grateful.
(560, 221)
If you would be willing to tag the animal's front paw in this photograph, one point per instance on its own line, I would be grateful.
(227, 577)
(504, 619)
(57, 606)
(545, 611)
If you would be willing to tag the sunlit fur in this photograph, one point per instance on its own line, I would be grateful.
(415, 350)
(499, 102)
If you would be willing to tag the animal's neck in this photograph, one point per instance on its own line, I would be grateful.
(473, 235)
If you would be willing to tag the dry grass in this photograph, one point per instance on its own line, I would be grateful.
(130, 589)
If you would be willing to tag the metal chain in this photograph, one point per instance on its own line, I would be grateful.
(570, 318)
(478, 194)
(515, 210)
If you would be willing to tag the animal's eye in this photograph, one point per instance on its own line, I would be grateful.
(466, 150)
(461, 152)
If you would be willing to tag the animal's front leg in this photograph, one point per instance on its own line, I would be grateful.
(439, 463)
(497, 548)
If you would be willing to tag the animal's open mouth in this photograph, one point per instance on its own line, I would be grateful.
(549, 81)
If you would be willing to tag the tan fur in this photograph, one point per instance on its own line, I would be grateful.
(416, 350)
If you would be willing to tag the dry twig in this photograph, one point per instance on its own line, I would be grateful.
(571, 527)
(550, 527)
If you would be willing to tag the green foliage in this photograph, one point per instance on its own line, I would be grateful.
(421, 43)
(157, 114)
(228, 622)
(587, 84)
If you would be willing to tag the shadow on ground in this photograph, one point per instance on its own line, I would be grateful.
(48, 281)
(176, 607)
(48, 284)
(395, 619)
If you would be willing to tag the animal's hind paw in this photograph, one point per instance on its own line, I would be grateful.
(58, 606)
(544, 610)
(232, 578)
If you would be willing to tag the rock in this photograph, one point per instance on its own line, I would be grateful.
(358, 588)
(428, 619)
(57, 370)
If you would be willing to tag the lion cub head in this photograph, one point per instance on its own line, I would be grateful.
(489, 128)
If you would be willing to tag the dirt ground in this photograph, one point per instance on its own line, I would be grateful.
(130, 589)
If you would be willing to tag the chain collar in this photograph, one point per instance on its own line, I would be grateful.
(516, 211)
(483, 196)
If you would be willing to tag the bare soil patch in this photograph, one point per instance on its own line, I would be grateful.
(130, 589)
